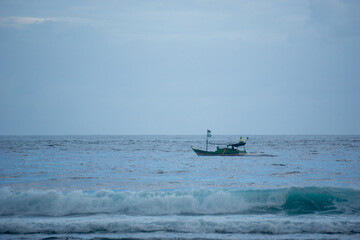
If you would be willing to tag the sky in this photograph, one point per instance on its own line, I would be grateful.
(179, 67)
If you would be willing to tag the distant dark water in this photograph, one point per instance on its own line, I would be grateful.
(155, 187)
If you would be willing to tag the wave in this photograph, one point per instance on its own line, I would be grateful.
(180, 224)
(291, 201)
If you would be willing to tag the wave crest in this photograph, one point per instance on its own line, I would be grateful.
(197, 202)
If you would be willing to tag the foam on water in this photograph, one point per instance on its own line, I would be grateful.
(180, 224)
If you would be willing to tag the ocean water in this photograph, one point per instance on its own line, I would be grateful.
(156, 187)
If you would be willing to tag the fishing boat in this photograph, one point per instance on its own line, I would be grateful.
(230, 149)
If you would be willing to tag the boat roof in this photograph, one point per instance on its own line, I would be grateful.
(241, 143)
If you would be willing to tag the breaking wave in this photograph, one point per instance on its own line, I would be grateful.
(290, 201)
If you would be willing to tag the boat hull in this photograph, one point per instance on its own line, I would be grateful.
(220, 152)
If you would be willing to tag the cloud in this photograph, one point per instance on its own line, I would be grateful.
(17, 21)
(20, 21)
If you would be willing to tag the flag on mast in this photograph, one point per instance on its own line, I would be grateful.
(208, 133)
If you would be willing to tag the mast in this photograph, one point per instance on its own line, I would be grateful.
(208, 134)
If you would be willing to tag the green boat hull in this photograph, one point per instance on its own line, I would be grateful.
(220, 152)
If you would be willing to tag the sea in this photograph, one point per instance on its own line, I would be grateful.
(156, 187)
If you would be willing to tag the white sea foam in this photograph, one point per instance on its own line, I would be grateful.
(180, 224)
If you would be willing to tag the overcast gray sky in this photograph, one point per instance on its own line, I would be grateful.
(179, 67)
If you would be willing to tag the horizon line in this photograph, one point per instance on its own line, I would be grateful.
(49, 135)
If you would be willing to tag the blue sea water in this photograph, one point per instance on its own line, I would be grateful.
(156, 187)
